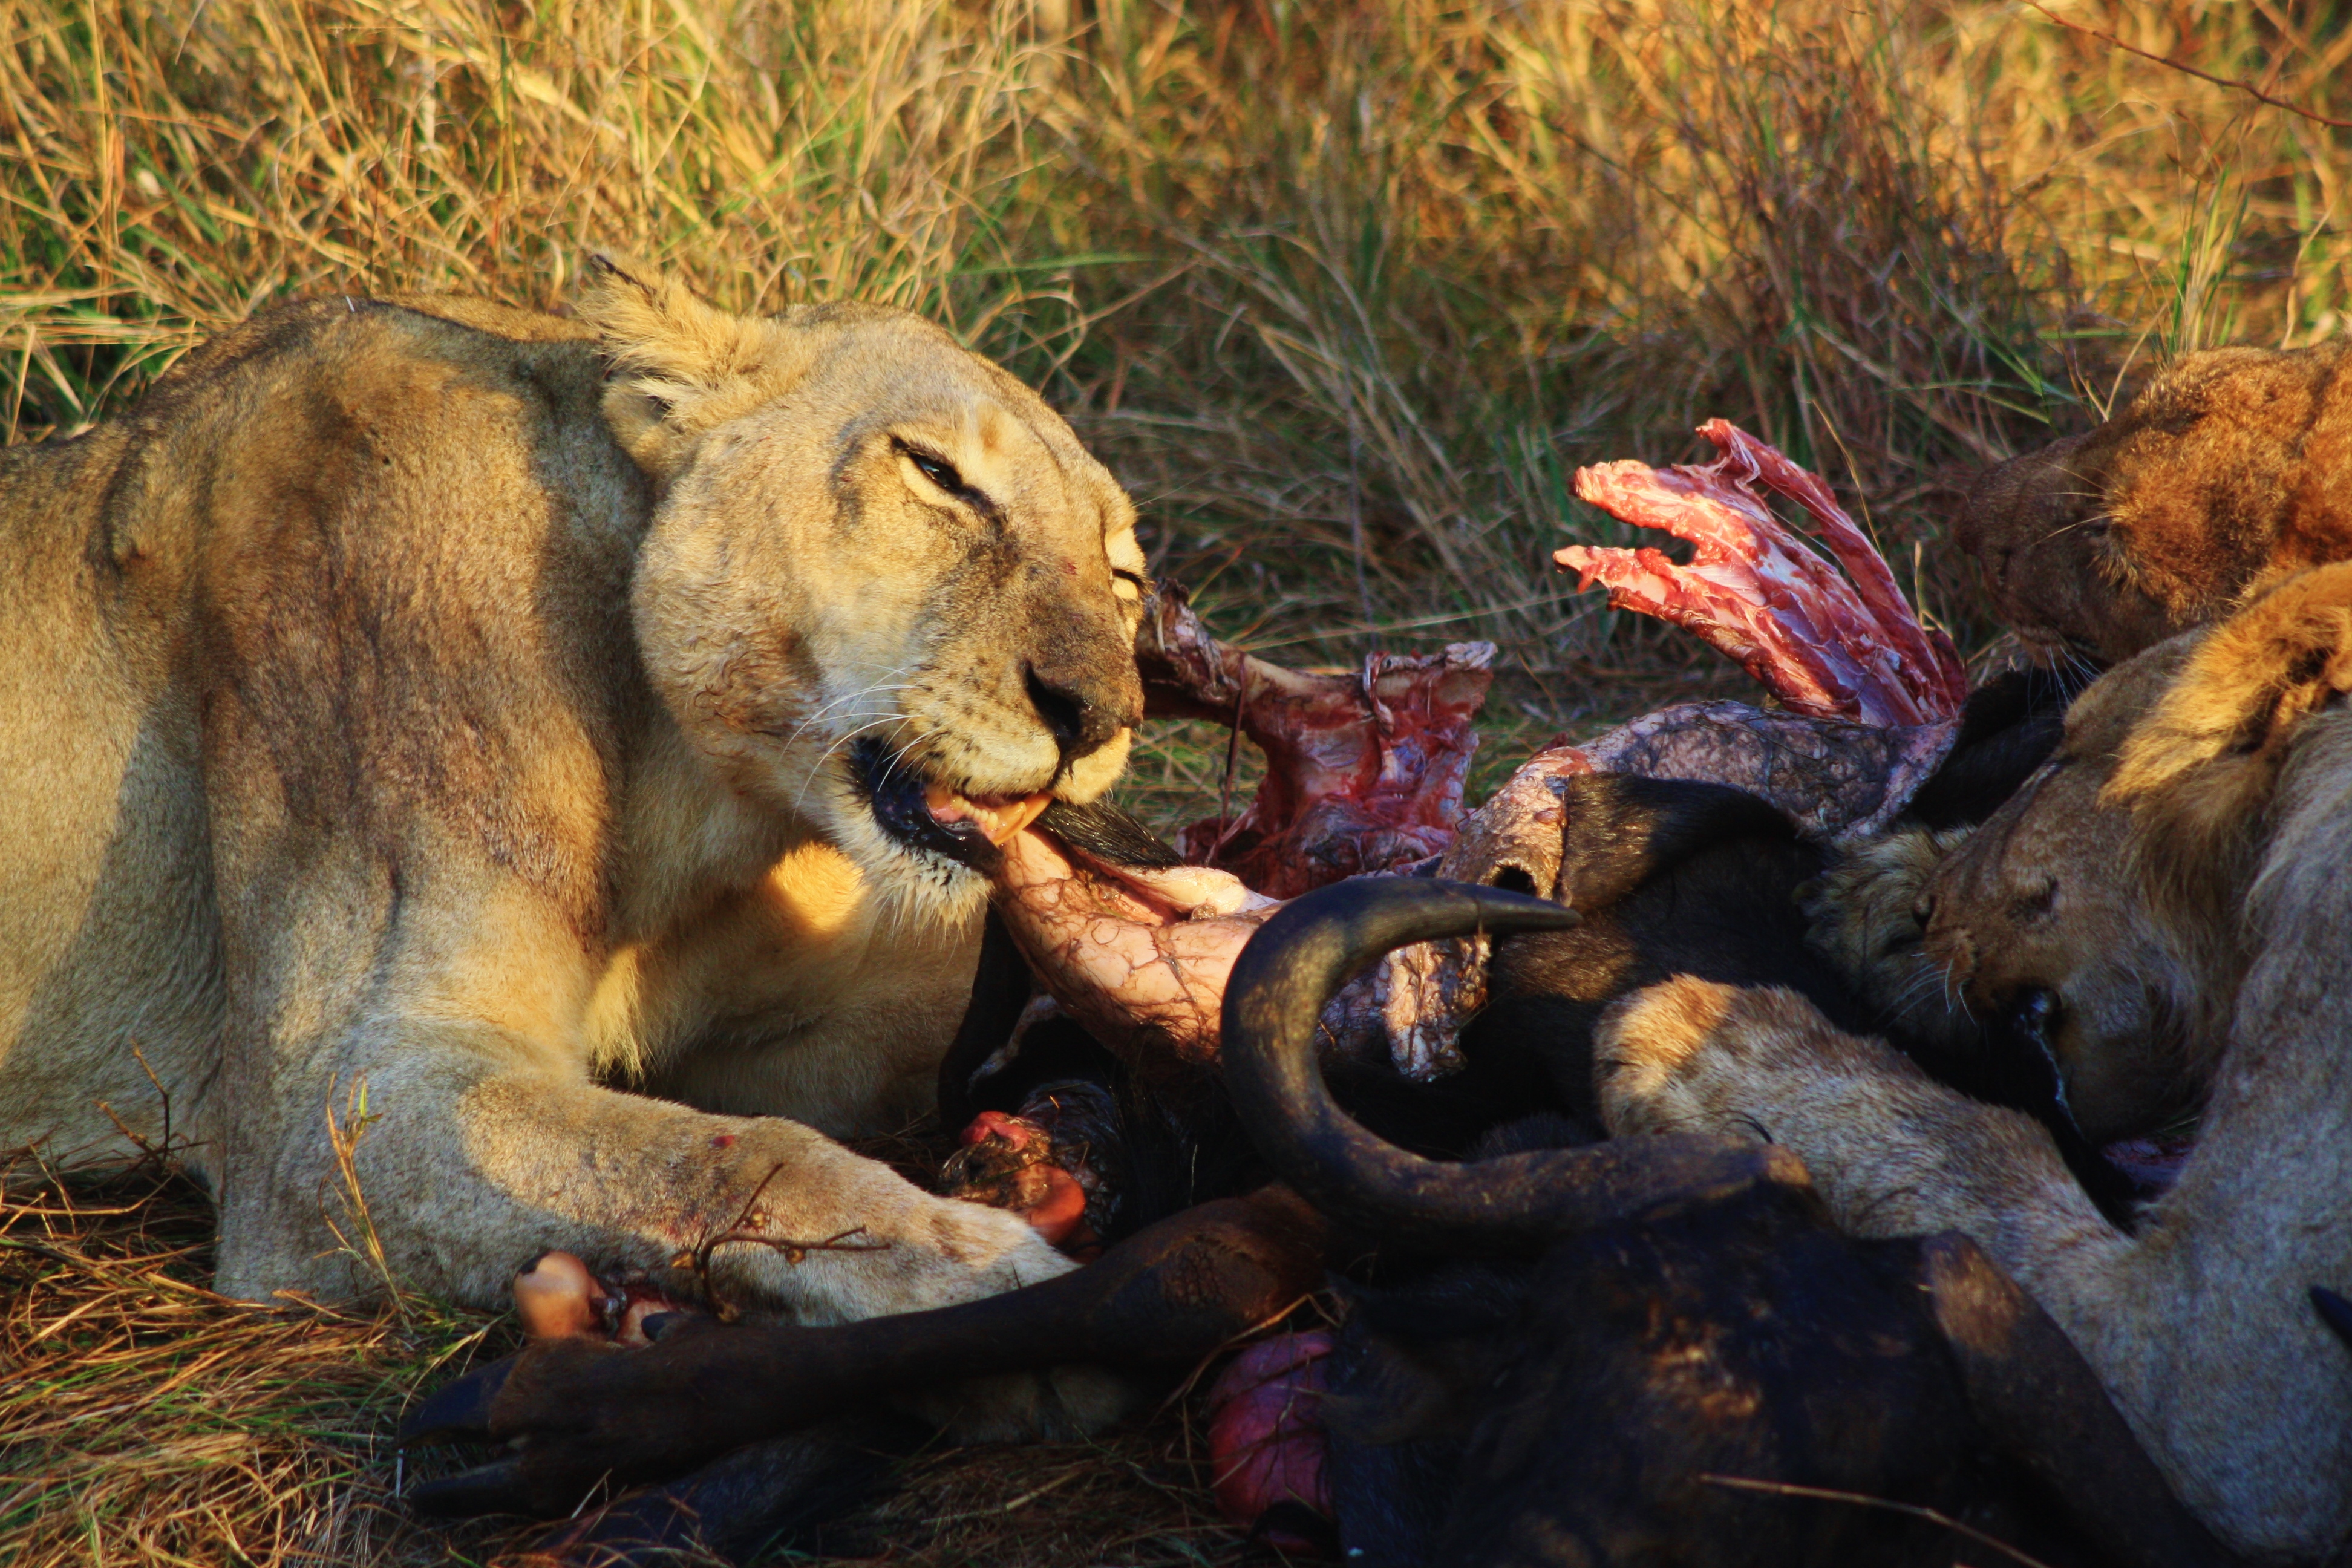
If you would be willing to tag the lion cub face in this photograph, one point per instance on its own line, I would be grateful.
(2232, 471)
(2036, 916)
(885, 589)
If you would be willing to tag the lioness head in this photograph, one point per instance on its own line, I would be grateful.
(885, 589)
(2230, 472)
(2107, 900)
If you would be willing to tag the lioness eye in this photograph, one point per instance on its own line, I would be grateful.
(938, 470)
(1141, 583)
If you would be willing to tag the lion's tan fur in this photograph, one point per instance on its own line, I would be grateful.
(1863, 915)
(2201, 771)
(2175, 879)
(2230, 472)
(436, 714)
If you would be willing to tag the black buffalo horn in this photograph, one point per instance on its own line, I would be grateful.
(1294, 965)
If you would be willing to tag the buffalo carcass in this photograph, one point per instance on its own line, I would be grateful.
(1673, 849)
(1676, 877)
(1645, 1315)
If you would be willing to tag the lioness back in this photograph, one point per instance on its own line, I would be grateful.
(280, 484)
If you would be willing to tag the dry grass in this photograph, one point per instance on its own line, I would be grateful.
(1344, 291)
(1138, 1498)
(145, 1420)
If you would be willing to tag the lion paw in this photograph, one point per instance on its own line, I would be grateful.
(1693, 1056)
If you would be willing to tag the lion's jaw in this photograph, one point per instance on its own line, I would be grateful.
(896, 604)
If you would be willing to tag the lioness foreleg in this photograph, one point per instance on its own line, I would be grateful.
(2199, 1326)
(461, 1174)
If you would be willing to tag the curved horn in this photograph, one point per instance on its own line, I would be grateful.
(1296, 963)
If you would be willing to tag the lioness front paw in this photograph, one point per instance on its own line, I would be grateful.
(910, 1253)
(1693, 1056)
(958, 1252)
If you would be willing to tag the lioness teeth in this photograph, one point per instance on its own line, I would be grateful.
(998, 817)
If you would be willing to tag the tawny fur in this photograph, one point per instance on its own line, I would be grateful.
(2230, 472)
(435, 716)
(2176, 878)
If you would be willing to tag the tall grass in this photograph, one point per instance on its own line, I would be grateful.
(1346, 291)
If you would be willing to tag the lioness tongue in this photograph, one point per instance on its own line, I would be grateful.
(998, 817)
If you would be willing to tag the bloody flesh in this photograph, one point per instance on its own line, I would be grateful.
(1363, 771)
(1825, 645)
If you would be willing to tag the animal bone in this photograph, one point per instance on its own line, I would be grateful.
(1827, 648)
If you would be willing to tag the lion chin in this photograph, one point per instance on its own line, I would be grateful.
(930, 848)
(927, 848)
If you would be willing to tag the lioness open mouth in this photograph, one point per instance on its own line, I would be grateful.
(927, 818)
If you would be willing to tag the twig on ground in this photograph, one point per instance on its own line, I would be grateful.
(697, 1260)
(1828, 1494)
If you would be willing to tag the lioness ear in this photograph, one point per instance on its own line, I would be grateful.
(679, 368)
(2200, 768)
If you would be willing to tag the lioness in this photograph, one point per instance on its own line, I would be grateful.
(2232, 471)
(2169, 897)
(435, 715)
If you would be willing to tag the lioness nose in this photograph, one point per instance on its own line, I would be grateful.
(1080, 722)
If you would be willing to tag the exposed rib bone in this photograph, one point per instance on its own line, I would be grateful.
(1825, 646)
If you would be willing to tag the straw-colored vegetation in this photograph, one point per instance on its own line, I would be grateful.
(1344, 291)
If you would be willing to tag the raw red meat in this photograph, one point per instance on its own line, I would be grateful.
(1265, 1431)
(1363, 771)
(1825, 646)
(1023, 1161)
